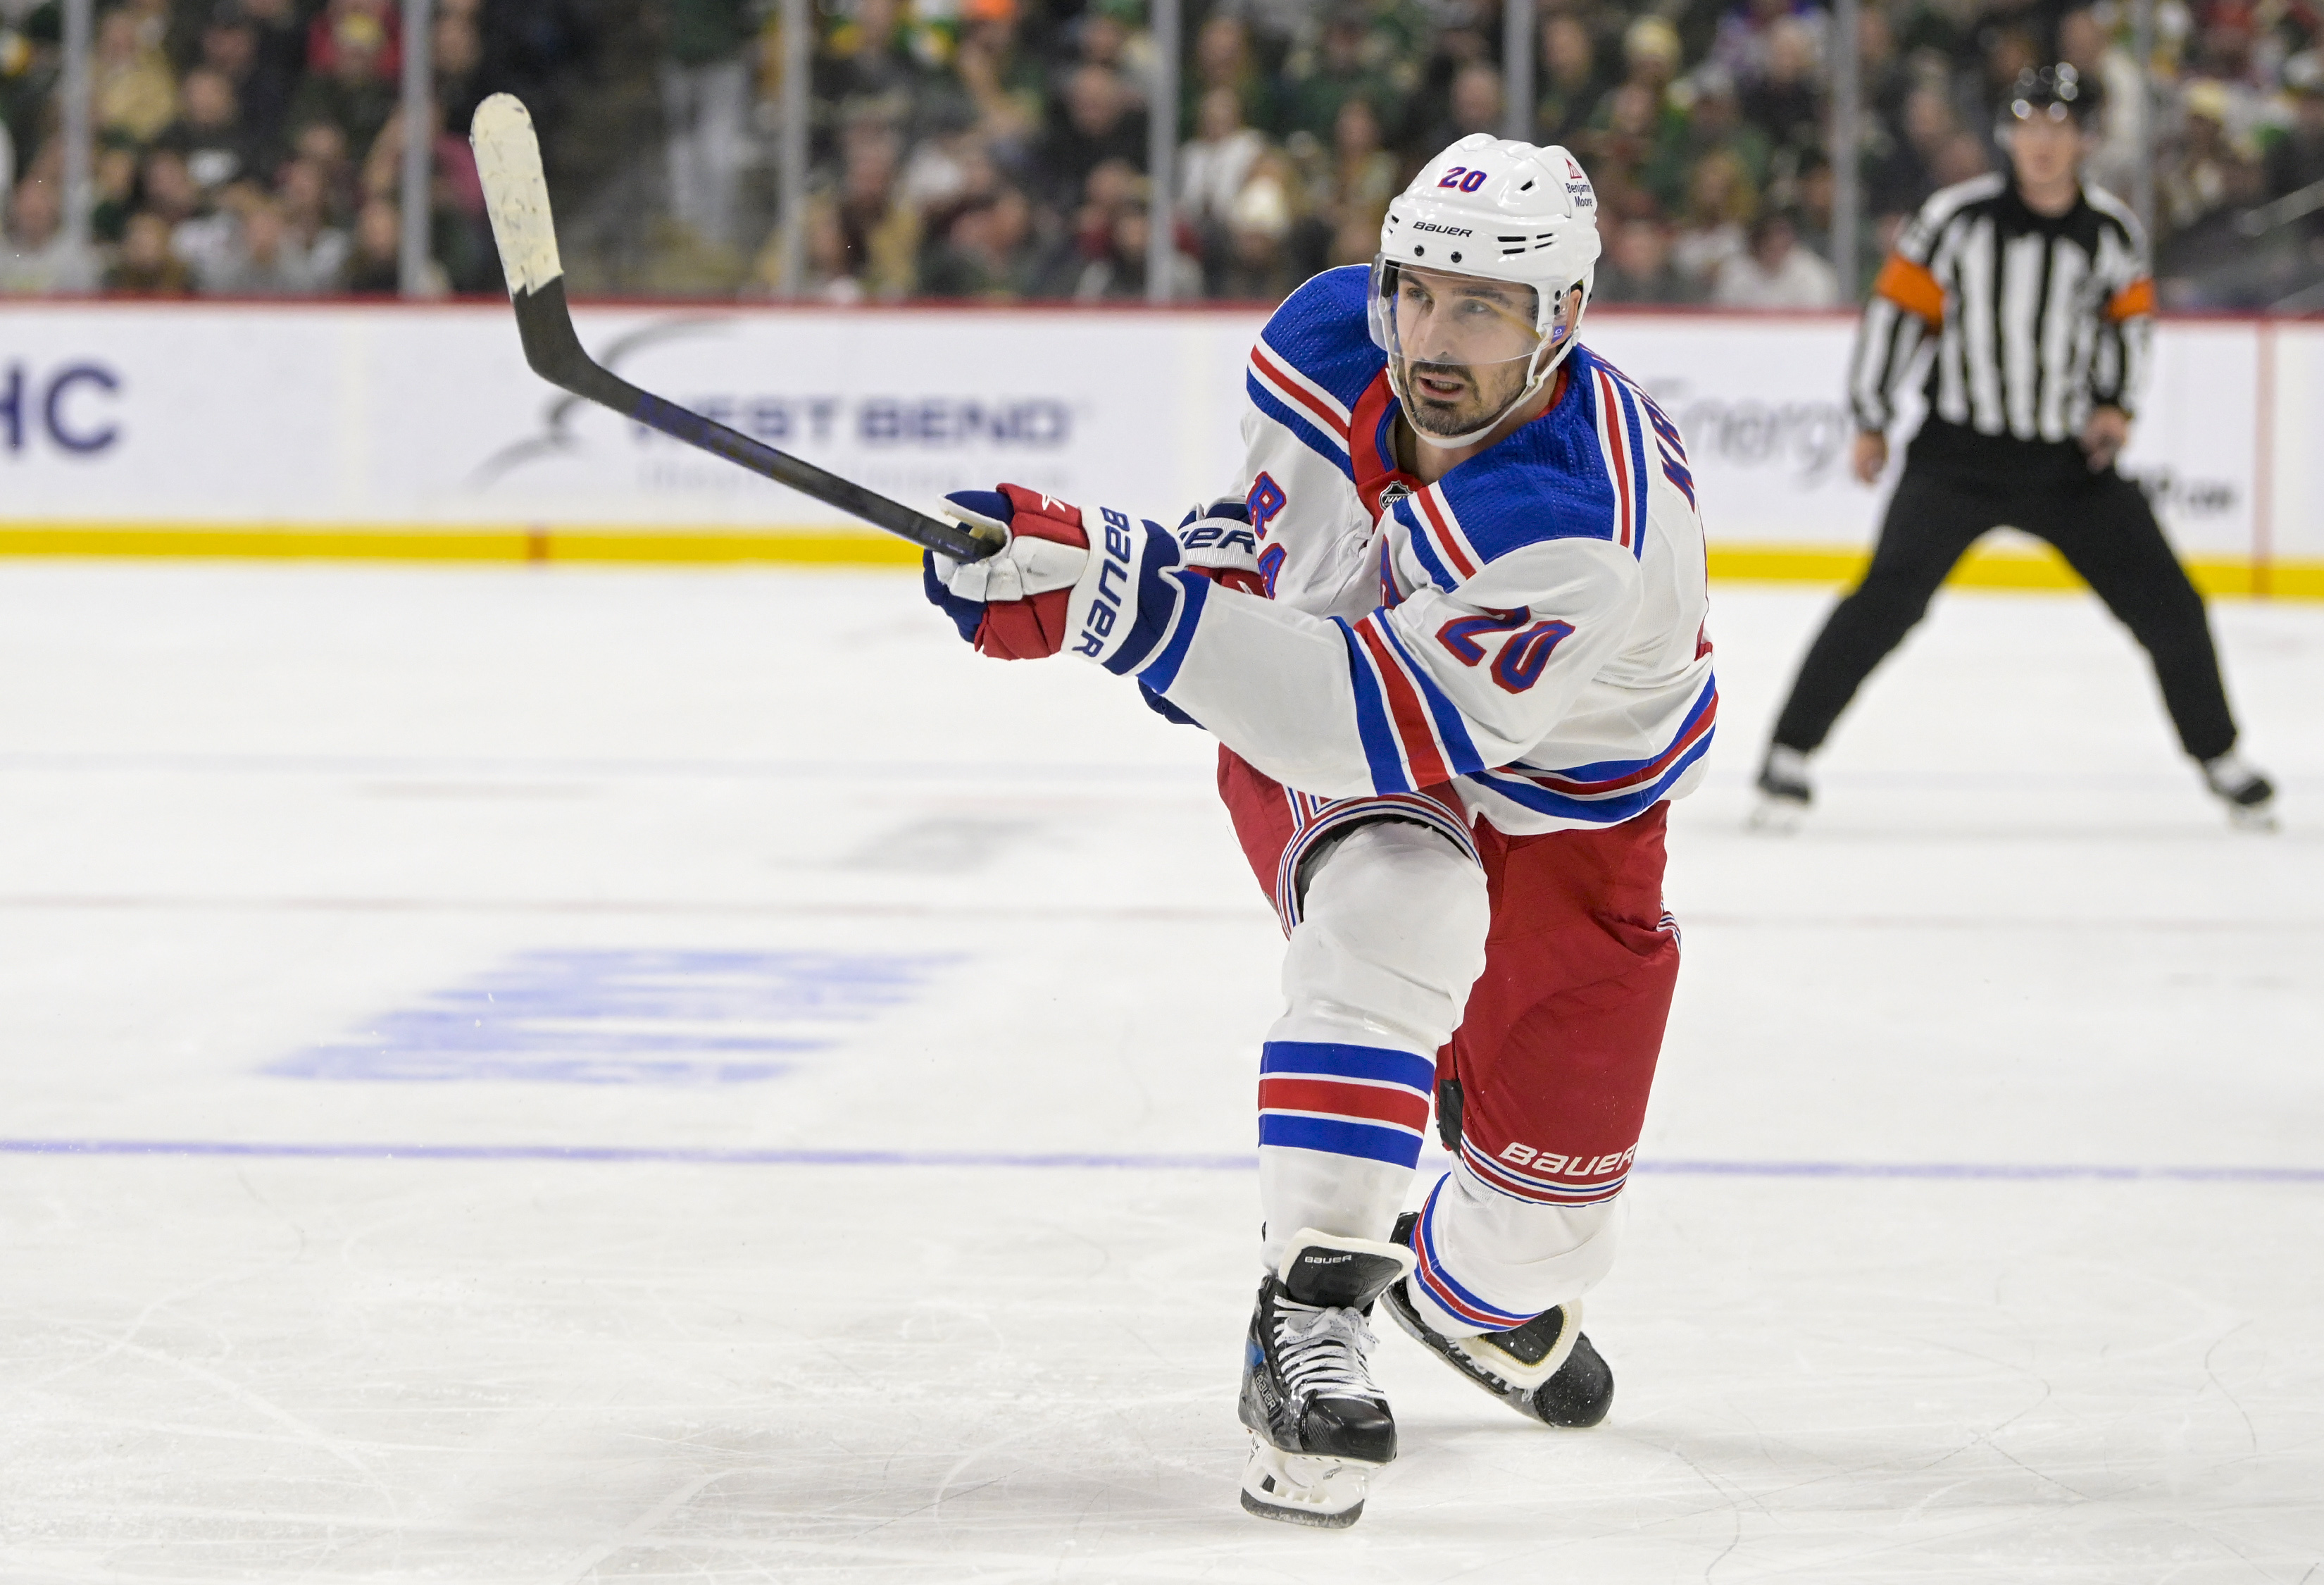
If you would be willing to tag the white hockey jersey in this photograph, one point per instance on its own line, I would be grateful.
(1530, 628)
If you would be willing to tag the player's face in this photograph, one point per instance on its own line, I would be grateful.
(1466, 345)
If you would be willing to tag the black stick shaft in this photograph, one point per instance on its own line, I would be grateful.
(554, 349)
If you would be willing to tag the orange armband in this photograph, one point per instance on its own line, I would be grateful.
(1912, 288)
(2132, 300)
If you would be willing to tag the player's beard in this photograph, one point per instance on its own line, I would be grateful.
(1484, 395)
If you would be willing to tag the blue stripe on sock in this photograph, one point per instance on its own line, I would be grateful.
(1331, 1060)
(1433, 1267)
(1335, 1136)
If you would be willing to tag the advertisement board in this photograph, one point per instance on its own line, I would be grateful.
(394, 430)
(1762, 403)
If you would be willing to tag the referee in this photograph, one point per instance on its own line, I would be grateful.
(2035, 291)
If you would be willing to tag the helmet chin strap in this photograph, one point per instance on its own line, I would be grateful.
(1556, 351)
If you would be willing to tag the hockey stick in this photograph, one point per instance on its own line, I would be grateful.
(516, 196)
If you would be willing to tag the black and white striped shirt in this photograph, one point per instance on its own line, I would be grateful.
(2036, 319)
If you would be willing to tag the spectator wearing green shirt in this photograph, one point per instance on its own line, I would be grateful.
(355, 95)
(1637, 136)
(1223, 59)
(705, 100)
(1338, 69)
(1571, 82)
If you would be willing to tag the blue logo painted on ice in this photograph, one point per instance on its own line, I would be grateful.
(626, 1016)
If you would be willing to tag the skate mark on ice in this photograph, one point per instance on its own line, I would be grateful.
(1987, 1438)
(1044, 774)
(619, 1153)
(2010, 1172)
(1133, 1162)
(939, 845)
(125, 1341)
(259, 1403)
(1064, 912)
(360, 1445)
(657, 907)
(643, 1017)
(639, 1528)
(459, 791)
(2210, 1373)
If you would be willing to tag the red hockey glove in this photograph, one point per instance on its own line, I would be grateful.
(1224, 550)
(1013, 605)
(1098, 585)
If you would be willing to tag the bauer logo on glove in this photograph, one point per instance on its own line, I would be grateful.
(1113, 583)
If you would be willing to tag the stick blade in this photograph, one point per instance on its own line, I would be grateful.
(516, 193)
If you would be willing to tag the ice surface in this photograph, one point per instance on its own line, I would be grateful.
(694, 1075)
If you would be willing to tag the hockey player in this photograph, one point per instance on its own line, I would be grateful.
(1452, 639)
(2034, 290)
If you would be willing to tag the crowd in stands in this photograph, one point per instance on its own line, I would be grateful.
(996, 150)
(248, 147)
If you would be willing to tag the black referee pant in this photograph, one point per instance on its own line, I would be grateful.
(2107, 532)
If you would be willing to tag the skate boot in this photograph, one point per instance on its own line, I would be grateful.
(1545, 1369)
(1319, 1427)
(1785, 792)
(2249, 796)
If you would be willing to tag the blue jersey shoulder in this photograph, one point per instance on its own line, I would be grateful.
(1576, 472)
(1321, 332)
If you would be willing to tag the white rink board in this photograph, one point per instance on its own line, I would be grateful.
(1763, 406)
(373, 416)
(430, 416)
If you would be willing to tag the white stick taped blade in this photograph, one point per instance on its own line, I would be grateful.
(516, 193)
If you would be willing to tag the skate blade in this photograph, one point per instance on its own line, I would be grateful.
(1296, 1489)
(1496, 1377)
(1510, 1380)
(1777, 817)
(2261, 820)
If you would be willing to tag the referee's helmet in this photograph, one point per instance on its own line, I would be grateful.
(2050, 93)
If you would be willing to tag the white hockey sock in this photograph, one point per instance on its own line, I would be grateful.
(1391, 936)
(1487, 1263)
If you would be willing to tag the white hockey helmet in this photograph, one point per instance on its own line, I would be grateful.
(1500, 210)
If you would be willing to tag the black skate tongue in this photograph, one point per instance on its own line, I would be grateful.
(1321, 1274)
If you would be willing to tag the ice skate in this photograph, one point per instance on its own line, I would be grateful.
(2249, 796)
(1545, 1369)
(1785, 791)
(1319, 1426)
